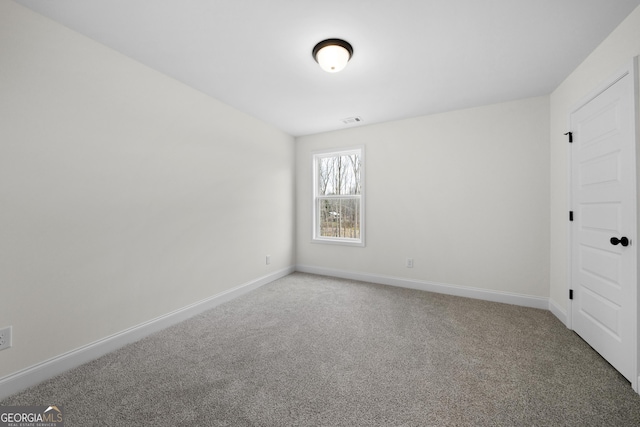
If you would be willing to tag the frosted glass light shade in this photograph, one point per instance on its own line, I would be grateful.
(333, 54)
(333, 58)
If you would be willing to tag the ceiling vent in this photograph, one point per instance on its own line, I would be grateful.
(352, 120)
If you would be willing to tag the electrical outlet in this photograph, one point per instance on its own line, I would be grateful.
(5, 338)
(409, 263)
(268, 259)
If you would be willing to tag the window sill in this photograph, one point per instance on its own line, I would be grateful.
(341, 242)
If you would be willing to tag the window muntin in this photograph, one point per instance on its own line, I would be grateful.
(338, 197)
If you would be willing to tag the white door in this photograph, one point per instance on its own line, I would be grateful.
(603, 243)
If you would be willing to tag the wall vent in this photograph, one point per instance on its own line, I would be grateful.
(352, 120)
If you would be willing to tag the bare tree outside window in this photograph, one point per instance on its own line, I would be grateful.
(338, 196)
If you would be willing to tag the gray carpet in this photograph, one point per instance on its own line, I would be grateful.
(314, 351)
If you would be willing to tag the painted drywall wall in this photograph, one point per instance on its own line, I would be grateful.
(124, 194)
(465, 194)
(613, 53)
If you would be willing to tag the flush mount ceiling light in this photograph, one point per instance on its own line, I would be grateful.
(332, 54)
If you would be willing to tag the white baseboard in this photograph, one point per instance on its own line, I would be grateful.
(35, 374)
(442, 288)
(558, 312)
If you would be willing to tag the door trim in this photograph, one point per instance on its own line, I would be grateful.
(631, 68)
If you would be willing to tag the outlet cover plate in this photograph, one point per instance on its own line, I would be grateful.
(5, 338)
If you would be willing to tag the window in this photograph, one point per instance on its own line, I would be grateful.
(338, 206)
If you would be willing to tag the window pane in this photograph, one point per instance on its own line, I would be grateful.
(338, 193)
(339, 217)
(339, 175)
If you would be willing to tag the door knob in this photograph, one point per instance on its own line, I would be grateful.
(623, 241)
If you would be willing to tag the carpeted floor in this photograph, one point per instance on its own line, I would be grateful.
(315, 351)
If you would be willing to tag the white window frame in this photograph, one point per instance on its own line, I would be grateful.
(316, 238)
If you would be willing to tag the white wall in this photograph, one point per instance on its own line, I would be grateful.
(465, 194)
(124, 194)
(617, 50)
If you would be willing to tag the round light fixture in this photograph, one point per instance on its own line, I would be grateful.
(332, 54)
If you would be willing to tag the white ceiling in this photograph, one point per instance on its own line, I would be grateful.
(411, 57)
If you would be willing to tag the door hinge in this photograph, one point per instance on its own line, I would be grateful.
(570, 293)
(570, 215)
(570, 136)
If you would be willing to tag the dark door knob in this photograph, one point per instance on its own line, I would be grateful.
(623, 241)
